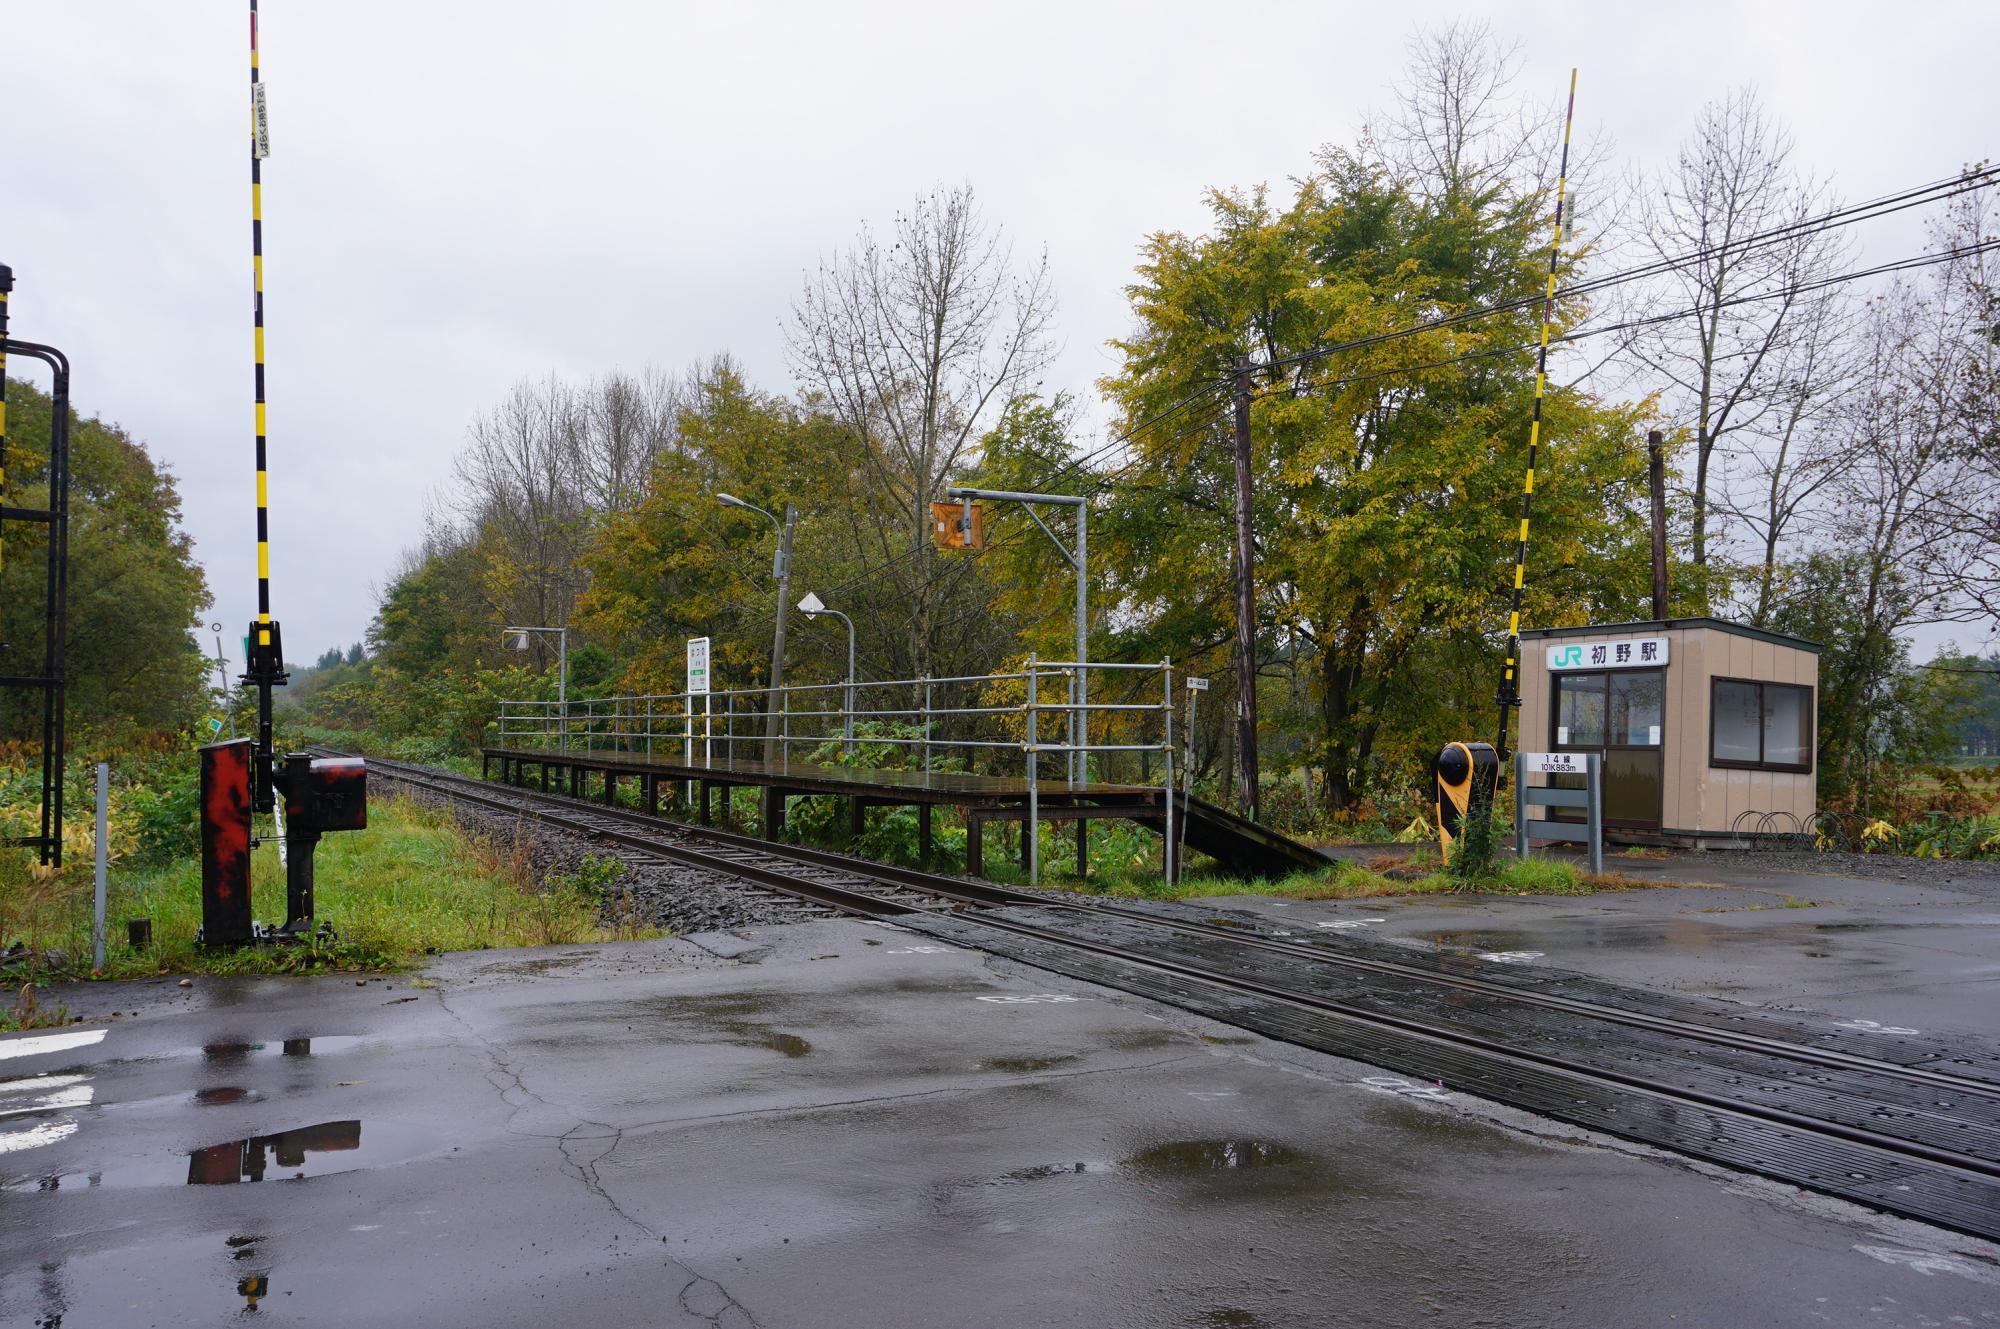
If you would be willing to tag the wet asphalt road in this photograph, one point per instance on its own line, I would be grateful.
(841, 1124)
(1920, 954)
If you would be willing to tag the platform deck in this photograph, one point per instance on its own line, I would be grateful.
(1239, 846)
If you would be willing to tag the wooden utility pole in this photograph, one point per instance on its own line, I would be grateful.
(1246, 606)
(1656, 477)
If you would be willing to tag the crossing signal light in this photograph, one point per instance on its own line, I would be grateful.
(958, 525)
(1466, 774)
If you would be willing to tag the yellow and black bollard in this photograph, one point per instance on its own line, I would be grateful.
(1466, 774)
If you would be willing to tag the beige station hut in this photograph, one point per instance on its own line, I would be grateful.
(1706, 728)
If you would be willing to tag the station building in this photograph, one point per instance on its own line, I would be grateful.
(1706, 728)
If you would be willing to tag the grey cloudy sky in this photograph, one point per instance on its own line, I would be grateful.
(464, 193)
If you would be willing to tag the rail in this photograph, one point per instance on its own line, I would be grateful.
(973, 721)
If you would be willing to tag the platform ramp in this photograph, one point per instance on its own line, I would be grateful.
(1239, 846)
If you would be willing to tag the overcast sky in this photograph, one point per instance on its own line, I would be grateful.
(461, 194)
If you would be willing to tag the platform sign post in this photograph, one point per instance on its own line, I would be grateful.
(1590, 798)
(698, 682)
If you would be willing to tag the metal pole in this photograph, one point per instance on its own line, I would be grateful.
(562, 681)
(103, 818)
(927, 728)
(1187, 774)
(1079, 729)
(783, 571)
(848, 695)
(1594, 778)
(6, 285)
(1520, 806)
(1246, 605)
(1033, 846)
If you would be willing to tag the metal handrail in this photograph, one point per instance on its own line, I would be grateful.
(640, 721)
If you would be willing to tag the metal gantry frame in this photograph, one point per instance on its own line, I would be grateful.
(816, 715)
(1079, 563)
(52, 681)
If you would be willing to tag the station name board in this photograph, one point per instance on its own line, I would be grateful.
(1640, 653)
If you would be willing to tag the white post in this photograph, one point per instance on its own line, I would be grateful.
(1167, 863)
(103, 859)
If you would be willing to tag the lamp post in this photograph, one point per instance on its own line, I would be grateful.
(781, 568)
(812, 607)
(517, 639)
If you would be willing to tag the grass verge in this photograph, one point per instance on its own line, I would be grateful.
(411, 885)
(1353, 881)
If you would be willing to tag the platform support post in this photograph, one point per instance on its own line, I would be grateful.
(923, 835)
(975, 856)
(774, 811)
(857, 817)
(1082, 848)
(610, 787)
(704, 815)
(1029, 858)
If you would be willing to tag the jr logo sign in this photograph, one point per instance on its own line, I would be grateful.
(1639, 653)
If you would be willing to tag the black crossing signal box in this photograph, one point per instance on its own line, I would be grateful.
(321, 795)
(1467, 774)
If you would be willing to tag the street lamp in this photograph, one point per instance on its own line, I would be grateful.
(812, 607)
(781, 568)
(518, 639)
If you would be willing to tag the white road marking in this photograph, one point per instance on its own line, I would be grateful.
(1389, 1084)
(923, 950)
(38, 1044)
(35, 1084)
(34, 1137)
(1210, 1095)
(1869, 1026)
(1040, 996)
(1510, 957)
(73, 1096)
(1344, 923)
(1929, 1263)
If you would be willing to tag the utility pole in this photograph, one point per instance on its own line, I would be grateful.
(1246, 606)
(782, 570)
(1656, 476)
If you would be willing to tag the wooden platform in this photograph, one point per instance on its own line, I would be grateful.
(1239, 846)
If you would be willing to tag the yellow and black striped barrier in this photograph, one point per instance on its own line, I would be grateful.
(1510, 682)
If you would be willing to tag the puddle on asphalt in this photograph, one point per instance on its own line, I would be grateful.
(1024, 1065)
(225, 1094)
(1453, 1134)
(1178, 1158)
(731, 1017)
(1192, 1157)
(307, 1151)
(1141, 1040)
(236, 1053)
(789, 1044)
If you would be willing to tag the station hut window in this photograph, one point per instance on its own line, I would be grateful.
(1760, 726)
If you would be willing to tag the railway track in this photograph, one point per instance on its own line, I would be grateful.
(1897, 1123)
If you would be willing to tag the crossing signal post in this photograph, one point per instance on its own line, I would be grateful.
(241, 778)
